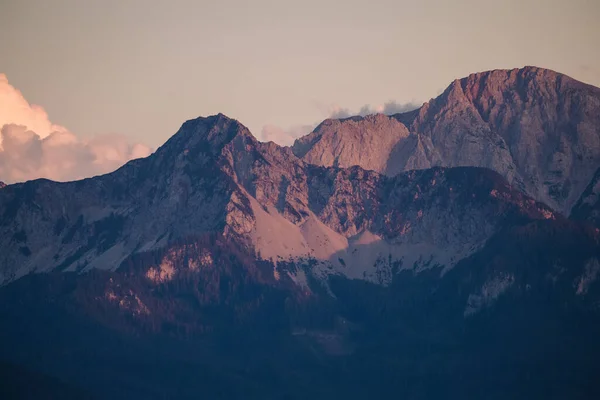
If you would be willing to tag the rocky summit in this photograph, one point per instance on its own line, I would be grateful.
(539, 129)
(449, 252)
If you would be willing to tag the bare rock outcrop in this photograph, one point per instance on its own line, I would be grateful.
(537, 128)
(214, 177)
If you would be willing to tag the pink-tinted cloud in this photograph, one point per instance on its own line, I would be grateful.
(14, 109)
(31, 146)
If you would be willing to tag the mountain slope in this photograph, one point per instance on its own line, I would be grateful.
(17, 382)
(517, 319)
(222, 267)
(97, 222)
(213, 176)
(537, 128)
(587, 207)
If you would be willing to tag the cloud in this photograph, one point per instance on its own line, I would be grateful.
(284, 137)
(31, 146)
(61, 156)
(389, 108)
(14, 109)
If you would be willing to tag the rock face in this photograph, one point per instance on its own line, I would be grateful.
(2, 185)
(364, 141)
(98, 222)
(214, 177)
(537, 128)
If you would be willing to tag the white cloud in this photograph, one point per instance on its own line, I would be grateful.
(14, 109)
(31, 146)
(389, 108)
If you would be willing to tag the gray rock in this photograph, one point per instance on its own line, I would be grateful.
(537, 128)
(214, 177)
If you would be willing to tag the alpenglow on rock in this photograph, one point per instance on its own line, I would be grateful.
(537, 128)
(223, 267)
(214, 177)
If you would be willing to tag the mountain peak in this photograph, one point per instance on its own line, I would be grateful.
(482, 86)
(526, 123)
(204, 134)
(525, 82)
(538, 128)
(366, 141)
(528, 72)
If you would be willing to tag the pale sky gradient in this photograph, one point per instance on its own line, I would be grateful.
(141, 67)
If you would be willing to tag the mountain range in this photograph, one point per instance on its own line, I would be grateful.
(537, 128)
(448, 251)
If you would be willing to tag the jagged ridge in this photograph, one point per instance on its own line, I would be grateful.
(213, 176)
(537, 128)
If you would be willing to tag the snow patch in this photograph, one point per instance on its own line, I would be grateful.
(110, 259)
(299, 278)
(274, 237)
(589, 276)
(489, 292)
(364, 256)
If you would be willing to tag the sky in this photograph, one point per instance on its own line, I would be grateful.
(90, 74)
